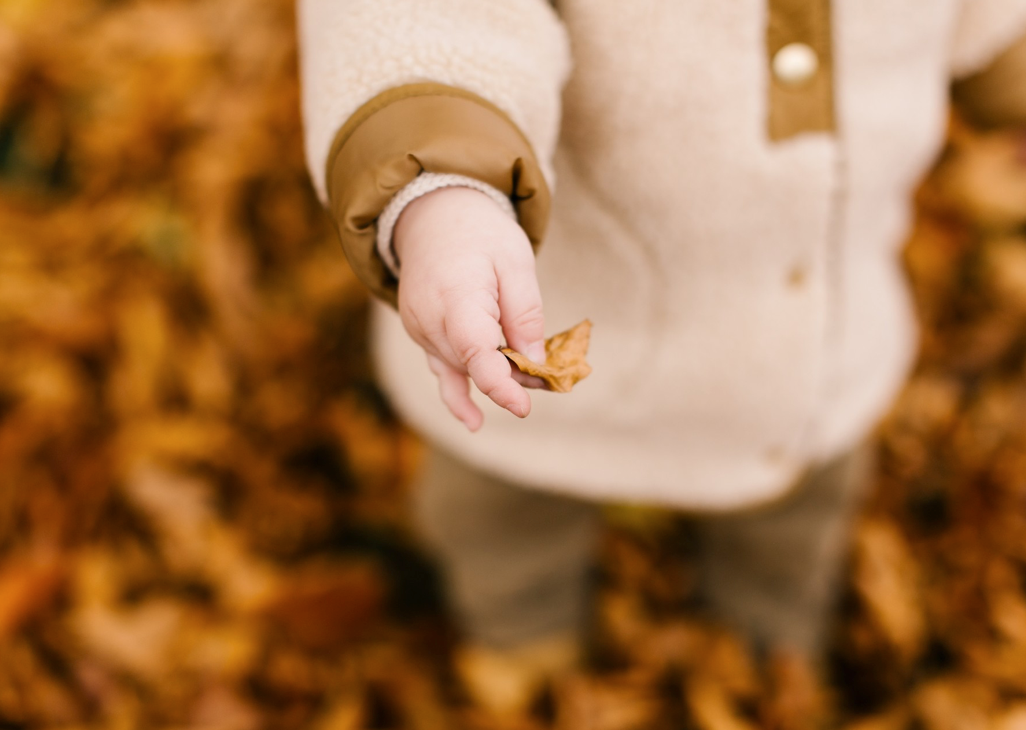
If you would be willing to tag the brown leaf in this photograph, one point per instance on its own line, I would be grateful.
(328, 605)
(221, 707)
(26, 588)
(1012, 719)
(886, 580)
(797, 699)
(617, 702)
(564, 359)
(139, 639)
(347, 712)
(895, 718)
(953, 703)
(711, 706)
(988, 182)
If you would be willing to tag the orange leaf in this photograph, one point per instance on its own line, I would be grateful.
(565, 365)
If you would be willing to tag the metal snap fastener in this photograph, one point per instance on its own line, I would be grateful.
(794, 64)
(796, 276)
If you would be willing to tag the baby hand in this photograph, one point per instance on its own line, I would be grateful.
(467, 280)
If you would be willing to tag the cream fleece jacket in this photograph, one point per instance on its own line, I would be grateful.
(749, 306)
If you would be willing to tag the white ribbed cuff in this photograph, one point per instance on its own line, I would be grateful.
(423, 184)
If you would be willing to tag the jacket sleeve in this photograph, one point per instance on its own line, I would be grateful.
(393, 88)
(989, 62)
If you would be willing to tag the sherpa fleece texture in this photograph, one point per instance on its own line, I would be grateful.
(514, 53)
(984, 28)
(750, 310)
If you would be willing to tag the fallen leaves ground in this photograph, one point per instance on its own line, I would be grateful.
(201, 491)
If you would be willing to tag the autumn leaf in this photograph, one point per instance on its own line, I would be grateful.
(564, 365)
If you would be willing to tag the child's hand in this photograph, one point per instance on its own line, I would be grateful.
(467, 279)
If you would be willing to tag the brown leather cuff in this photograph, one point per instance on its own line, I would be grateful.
(431, 128)
(996, 96)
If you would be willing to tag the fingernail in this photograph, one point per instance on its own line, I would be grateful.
(536, 352)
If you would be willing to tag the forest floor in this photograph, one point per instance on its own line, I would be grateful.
(202, 520)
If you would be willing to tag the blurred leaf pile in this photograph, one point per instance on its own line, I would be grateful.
(201, 492)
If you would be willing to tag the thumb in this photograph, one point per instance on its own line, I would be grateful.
(520, 312)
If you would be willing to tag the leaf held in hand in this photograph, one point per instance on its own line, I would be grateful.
(565, 365)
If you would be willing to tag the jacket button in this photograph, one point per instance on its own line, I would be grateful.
(796, 277)
(794, 64)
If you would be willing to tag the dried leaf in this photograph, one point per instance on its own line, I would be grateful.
(347, 712)
(887, 582)
(222, 708)
(988, 181)
(26, 587)
(712, 707)
(565, 365)
(624, 702)
(954, 704)
(140, 640)
(1012, 719)
(797, 700)
(893, 719)
(325, 606)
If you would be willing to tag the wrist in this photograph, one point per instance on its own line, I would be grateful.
(434, 215)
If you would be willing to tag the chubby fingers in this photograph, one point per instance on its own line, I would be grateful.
(528, 381)
(520, 306)
(474, 336)
(455, 392)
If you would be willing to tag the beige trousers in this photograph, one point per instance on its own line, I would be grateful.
(517, 561)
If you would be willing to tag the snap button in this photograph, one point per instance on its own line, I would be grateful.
(797, 276)
(794, 64)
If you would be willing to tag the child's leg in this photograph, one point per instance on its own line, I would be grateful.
(516, 560)
(773, 571)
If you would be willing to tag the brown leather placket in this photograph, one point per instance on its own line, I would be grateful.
(808, 106)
